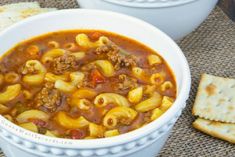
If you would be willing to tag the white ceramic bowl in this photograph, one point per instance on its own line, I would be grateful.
(148, 140)
(177, 18)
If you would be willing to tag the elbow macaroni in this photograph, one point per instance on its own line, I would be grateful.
(105, 66)
(29, 126)
(166, 85)
(111, 133)
(53, 78)
(96, 130)
(77, 78)
(53, 44)
(11, 77)
(70, 46)
(154, 59)
(27, 95)
(70, 123)
(34, 79)
(50, 134)
(84, 41)
(86, 93)
(3, 109)
(156, 113)
(82, 104)
(32, 114)
(121, 113)
(140, 74)
(51, 54)
(166, 103)
(33, 50)
(149, 89)
(110, 98)
(11, 92)
(150, 103)
(68, 87)
(157, 79)
(65, 87)
(78, 55)
(135, 95)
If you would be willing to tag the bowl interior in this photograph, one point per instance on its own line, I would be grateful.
(117, 23)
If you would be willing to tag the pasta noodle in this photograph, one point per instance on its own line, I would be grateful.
(32, 114)
(53, 44)
(140, 74)
(110, 98)
(8, 117)
(38, 68)
(154, 59)
(135, 95)
(33, 50)
(106, 67)
(150, 103)
(156, 113)
(111, 133)
(166, 85)
(166, 103)
(29, 126)
(96, 130)
(53, 78)
(69, 87)
(27, 94)
(3, 109)
(65, 87)
(50, 134)
(70, 46)
(86, 93)
(70, 123)
(77, 78)
(11, 77)
(157, 79)
(149, 89)
(78, 55)
(82, 104)
(84, 41)
(51, 54)
(11, 92)
(121, 113)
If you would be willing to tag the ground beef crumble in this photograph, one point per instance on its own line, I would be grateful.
(48, 97)
(126, 82)
(64, 63)
(115, 55)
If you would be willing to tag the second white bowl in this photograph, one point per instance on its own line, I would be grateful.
(177, 18)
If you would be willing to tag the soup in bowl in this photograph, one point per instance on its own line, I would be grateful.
(81, 86)
(84, 84)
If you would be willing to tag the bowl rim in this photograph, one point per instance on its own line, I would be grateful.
(148, 4)
(178, 105)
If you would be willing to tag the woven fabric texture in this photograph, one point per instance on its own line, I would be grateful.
(209, 49)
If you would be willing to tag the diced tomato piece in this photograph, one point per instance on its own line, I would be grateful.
(97, 77)
(39, 122)
(95, 35)
(77, 134)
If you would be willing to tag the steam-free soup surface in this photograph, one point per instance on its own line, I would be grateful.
(84, 84)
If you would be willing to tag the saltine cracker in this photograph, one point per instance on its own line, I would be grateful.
(215, 99)
(224, 131)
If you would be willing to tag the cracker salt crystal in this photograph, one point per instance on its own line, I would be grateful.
(215, 99)
(224, 131)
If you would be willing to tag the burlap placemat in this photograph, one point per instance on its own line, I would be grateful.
(210, 49)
